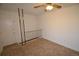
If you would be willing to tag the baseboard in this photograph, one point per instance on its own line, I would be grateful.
(24, 42)
(18, 43)
(63, 46)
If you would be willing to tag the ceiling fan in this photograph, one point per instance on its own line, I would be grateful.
(49, 6)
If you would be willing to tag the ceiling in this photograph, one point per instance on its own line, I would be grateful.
(28, 7)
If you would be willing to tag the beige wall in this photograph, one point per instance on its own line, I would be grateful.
(62, 26)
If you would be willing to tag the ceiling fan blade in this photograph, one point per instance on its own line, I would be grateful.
(56, 6)
(48, 3)
(39, 6)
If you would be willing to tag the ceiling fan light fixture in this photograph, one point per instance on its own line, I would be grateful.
(49, 7)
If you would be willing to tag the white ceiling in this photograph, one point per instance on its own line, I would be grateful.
(28, 7)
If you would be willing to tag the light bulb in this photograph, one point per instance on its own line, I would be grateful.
(49, 7)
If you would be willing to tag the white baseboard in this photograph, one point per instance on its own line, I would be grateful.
(63, 45)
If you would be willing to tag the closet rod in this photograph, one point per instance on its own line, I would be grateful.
(23, 26)
(20, 25)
